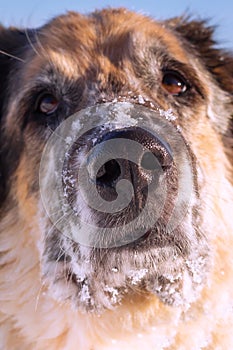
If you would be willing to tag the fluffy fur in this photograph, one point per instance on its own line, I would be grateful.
(86, 60)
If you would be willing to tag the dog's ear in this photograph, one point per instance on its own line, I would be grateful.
(12, 42)
(200, 36)
(12, 47)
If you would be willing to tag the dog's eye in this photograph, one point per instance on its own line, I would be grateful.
(47, 104)
(174, 83)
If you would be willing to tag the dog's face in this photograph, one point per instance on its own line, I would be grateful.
(126, 81)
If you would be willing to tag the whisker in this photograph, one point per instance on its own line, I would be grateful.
(12, 56)
(31, 43)
(38, 296)
(39, 44)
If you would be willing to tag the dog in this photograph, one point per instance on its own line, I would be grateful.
(79, 269)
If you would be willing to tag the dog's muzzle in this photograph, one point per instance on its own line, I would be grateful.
(117, 171)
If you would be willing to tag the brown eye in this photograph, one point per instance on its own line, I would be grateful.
(174, 83)
(47, 104)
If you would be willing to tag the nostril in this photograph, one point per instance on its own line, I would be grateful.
(156, 160)
(108, 173)
(149, 161)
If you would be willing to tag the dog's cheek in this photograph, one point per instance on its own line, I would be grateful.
(26, 197)
(20, 241)
(213, 170)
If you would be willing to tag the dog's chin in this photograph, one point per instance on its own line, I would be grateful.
(95, 279)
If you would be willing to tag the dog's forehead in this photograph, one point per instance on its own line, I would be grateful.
(75, 36)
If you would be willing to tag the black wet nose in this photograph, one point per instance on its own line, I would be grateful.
(133, 154)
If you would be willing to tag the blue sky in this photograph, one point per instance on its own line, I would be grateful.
(32, 13)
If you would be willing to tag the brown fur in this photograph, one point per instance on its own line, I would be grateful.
(96, 59)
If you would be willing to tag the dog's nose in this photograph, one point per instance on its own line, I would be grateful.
(132, 154)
